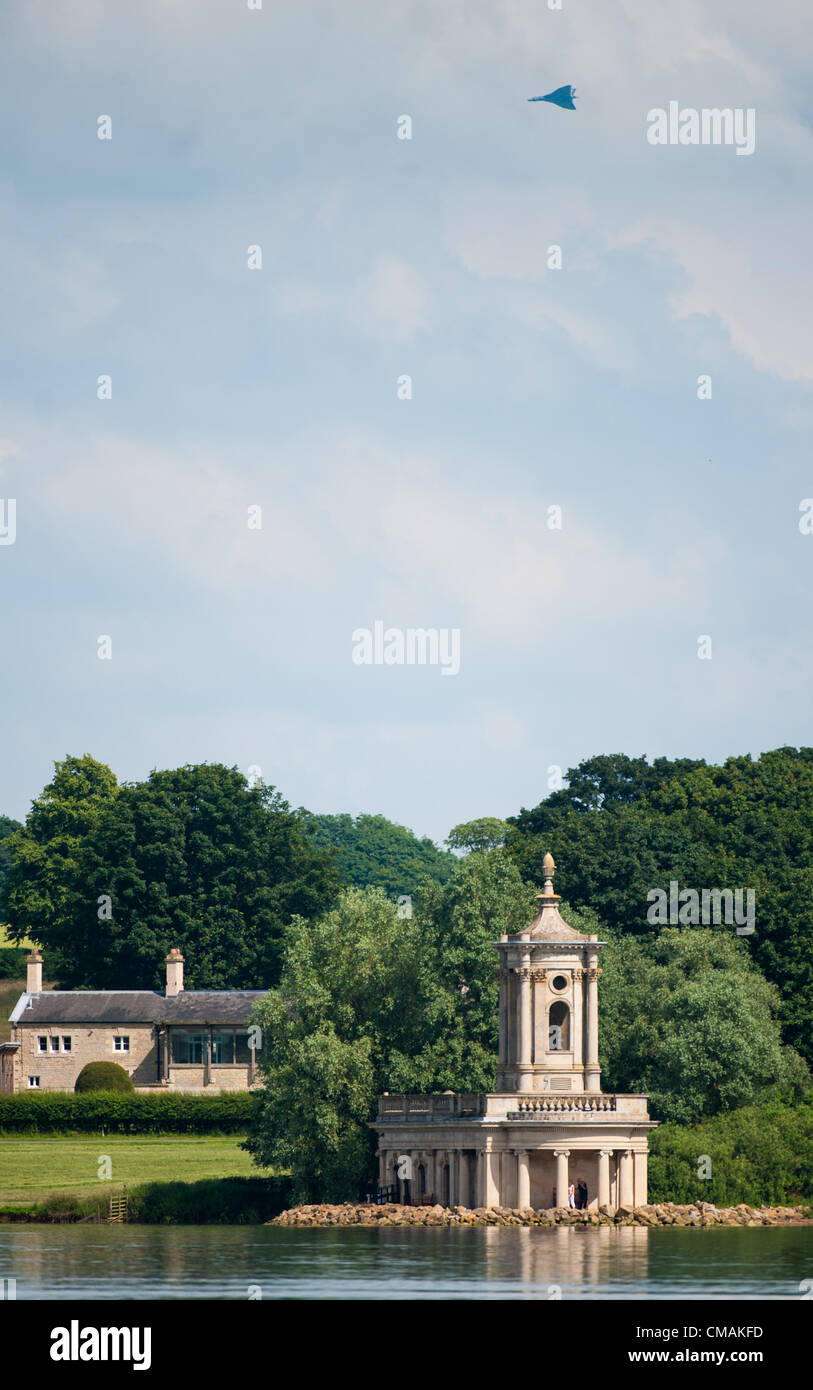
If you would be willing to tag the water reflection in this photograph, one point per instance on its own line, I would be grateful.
(190, 1262)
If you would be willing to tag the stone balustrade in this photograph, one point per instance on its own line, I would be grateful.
(429, 1108)
(539, 1105)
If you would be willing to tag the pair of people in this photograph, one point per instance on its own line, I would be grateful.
(577, 1195)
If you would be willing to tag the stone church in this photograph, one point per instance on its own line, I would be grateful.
(548, 1124)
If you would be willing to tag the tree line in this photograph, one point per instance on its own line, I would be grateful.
(376, 947)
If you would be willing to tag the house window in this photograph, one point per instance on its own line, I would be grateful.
(187, 1048)
(55, 1044)
(121, 1042)
(33, 1083)
(222, 1046)
(242, 1051)
(66, 1044)
(42, 1043)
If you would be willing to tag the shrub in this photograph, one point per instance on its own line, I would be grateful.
(211, 1201)
(64, 1112)
(762, 1155)
(103, 1076)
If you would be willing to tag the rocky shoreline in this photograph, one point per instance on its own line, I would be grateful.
(660, 1214)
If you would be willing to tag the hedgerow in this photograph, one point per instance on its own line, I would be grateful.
(65, 1112)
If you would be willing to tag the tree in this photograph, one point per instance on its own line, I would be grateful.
(7, 828)
(373, 852)
(623, 827)
(460, 923)
(349, 1006)
(687, 1019)
(46, 875)
(478, 835)
(191, 857)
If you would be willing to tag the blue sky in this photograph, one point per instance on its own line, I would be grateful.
(277, 387)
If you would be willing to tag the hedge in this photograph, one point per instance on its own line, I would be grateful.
(64, 1112)
(210, 1201)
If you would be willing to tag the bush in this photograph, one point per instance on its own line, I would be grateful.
(211, 1201)
(762, 1155)
(64, 1112)
(104, 1076)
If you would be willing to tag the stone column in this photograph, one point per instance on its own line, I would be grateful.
(451, 1158)
(639, 1179)
(525, 1023)
(503, 1016)
(561, 1156)
(523, 1178)
(592, 1072)
(491, 1165)
(604, 1177)
(626, 1195)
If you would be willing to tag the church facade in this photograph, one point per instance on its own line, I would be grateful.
(548, 1127)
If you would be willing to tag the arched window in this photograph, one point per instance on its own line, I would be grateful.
(559, 1027)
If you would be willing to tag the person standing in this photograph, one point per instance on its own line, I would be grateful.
(571, 1195)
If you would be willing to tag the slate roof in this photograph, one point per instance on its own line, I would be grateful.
(136, 1006)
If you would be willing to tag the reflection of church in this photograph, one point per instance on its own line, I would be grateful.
(548, 1125)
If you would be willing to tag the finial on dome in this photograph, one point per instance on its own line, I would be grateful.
(548, 869)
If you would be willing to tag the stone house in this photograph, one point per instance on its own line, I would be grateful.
(179, 1040)
(548, 1124)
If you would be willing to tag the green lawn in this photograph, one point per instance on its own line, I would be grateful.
(32, 1169)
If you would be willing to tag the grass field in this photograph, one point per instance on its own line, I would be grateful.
(33, 1169)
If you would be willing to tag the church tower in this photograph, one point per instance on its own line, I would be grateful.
(548, 1135)
(549, 1003)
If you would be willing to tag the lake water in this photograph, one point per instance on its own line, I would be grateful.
(240, 1262)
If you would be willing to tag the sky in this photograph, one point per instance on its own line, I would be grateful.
(277, 388)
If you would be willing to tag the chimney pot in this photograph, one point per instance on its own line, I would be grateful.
(174, 973)
(33, 973)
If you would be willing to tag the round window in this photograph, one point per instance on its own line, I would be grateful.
(559, 982)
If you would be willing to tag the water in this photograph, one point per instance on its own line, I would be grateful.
(239, 1262)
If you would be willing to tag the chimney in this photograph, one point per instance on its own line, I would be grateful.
(33, 983)
(174, 973)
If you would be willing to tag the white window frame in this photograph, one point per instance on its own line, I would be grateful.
(121, 1042)
(66, 1038)
(33, 1083)
(42, 1038)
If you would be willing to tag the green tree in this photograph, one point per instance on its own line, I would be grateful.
(373, 852)
(460, 923)
(481, 835)
(687, 1019)
(348, 1014)
(7, 828)
(623, 827)
(192, 857)
(46, 876)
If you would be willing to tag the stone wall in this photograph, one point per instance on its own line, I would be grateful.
(89, 1043)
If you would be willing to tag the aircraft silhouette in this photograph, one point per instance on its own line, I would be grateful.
(563, 96)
